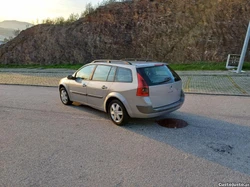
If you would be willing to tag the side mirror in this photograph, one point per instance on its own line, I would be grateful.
(71, 77)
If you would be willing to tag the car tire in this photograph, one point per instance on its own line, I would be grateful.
(64, 96)
(117, 112)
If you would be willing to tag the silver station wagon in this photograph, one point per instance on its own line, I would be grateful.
(124, 89)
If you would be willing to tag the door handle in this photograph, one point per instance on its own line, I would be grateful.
(84, 85)
(104, 87)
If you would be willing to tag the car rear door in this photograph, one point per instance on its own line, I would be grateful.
(165, 85)
(98, 87)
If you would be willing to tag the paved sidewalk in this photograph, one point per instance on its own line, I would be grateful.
(201, 82)
(216, 82)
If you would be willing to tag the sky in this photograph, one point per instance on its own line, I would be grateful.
(34, 11)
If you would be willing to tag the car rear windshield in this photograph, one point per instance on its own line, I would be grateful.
(159, 74)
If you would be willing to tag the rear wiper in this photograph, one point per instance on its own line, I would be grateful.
(167, 79)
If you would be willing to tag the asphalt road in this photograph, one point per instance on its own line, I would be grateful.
(44, 143)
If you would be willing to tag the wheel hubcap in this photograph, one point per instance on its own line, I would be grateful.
(116, 112)
(64, 96)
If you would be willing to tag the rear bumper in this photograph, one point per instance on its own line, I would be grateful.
(149, 111)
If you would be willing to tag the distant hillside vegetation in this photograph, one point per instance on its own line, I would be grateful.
(5, 33)
(7, 28)
(13, 24)
(173, 31)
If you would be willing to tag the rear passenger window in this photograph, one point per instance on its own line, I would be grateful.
(123, 75)
(101, 73)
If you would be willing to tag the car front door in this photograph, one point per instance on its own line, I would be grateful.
(78, 87)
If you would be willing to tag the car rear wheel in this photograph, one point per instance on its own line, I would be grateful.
(117, 112)
(64, 96)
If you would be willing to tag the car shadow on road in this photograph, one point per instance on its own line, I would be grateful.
(91, 111)
(215, 140)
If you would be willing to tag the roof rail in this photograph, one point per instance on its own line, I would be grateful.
(137, 59)
(112, 61)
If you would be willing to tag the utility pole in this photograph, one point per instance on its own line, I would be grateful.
(244, 50)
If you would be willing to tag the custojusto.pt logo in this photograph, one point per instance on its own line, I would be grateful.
(231, 184)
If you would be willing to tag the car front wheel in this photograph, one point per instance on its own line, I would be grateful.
(117, 113)
(64, 96)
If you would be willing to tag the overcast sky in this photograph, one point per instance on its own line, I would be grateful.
(33, 10)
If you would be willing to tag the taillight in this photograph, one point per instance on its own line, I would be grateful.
(143, 89)
(159, 65)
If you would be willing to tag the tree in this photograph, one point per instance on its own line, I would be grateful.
(72, 17)
(16, 32)
(108, 2)
(48, 21)
(59, 20)
(7, 39)
(88, 9)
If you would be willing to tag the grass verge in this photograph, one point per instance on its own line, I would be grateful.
(34, 66)
(209, 66)
(195, 66)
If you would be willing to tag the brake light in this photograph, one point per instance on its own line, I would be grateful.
(143, 89)
(159, 65)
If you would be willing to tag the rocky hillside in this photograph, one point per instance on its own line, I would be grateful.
(172, 30)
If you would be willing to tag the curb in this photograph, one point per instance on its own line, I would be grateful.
(188, 93)
(7, 84)
(216, 94)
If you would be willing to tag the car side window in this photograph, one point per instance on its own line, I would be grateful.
(123, 75)
(111, 74)
(101, 73)
(85, 72)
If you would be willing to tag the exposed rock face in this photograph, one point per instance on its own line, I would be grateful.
(173, 31)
